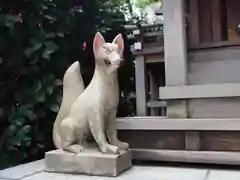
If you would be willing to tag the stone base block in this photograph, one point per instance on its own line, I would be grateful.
(90, 162)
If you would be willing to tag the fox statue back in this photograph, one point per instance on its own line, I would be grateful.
(91, 111)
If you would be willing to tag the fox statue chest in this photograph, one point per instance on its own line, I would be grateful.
(110, 95)
(113, 95)
(104, 93)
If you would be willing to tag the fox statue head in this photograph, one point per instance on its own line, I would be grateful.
(108, 56)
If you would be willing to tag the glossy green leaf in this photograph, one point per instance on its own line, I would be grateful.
(51, 46)
(60, 34)
(50, 35)
(37, 46)
(15, 141)
(58, 82)
(50, 90)
(19, 121)
(28, 52)
(27, 141)
(23, 131)
(11, 130)
(40, 97)
(37, 86)
(54, 107)
(50, 18)
(46, 54)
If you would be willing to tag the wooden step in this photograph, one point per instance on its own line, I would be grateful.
(190, 140)
(164, 123)
(212, 157)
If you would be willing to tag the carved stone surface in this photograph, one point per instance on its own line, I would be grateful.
(91, 112)
(90, 162)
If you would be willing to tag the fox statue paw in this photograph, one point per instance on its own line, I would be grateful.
(76, 149)
(110, 149)
(122, 145)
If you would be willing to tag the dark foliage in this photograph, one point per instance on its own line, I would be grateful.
(38, 41)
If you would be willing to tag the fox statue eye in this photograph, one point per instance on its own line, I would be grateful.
(107, 62)
(107, 50)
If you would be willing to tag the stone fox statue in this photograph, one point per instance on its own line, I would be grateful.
(91, 112)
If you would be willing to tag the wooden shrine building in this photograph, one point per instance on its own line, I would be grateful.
(187, 84)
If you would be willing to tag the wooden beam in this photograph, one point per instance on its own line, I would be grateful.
(194, 22)
(216, 20)
(200, 91)
(183, 124)
(154, 58)
(215, 54)
(152, 50)
(213, 157)
(205, 21)
(157, 104)
(154, 93)
(175, 52)
(214, 45)
(141, 94)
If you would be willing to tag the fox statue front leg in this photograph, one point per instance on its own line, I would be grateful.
(71, 141)
(111, 131)
(96, 124)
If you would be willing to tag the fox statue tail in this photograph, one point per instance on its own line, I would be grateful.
(73, 87)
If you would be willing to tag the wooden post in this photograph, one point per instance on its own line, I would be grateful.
(192, 140)
(216, 20)
(154, 93)
(194, 22)
(140, 75)
(205, 23)
(175, 52)
(176, 62)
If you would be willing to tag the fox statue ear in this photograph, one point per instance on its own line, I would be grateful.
(98, 41)
(119, 41)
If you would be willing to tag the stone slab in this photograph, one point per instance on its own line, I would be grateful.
(135, 173)
(22, 170)
(223, 175)
(90, 162)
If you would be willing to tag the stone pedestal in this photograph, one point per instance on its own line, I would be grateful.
(91, 162)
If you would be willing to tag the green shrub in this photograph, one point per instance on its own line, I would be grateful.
(38, 41)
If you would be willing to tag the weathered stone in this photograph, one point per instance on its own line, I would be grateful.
(90, 161)
(143, 172)
(22, 170)
(223, 174)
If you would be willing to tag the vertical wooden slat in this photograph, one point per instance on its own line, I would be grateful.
(154, 92)
(194, 22)
(205, 21)
(175, 52)
(192, 140)
(216, 20)
(140, 75)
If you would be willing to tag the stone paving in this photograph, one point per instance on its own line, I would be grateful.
(35, 171)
